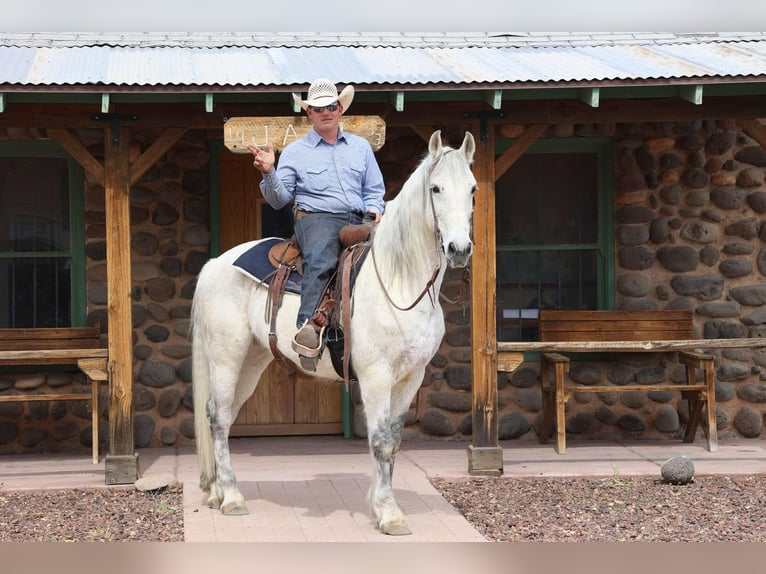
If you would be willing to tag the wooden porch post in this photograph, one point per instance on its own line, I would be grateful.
(485, 456)
(122, 460)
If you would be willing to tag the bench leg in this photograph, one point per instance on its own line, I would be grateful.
(548, 400)
(712, 426)
(94, 419)
(561, 402)
(554, 398)
(699, 399)
(695, 408)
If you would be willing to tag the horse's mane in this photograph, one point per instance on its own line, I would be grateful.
(405, 236)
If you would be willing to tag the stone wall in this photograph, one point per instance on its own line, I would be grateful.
(689, 201)
(690, 234)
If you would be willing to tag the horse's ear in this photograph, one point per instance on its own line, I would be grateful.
(469, 146)
(435, 144)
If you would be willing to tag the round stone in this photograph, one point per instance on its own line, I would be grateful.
(678, 470)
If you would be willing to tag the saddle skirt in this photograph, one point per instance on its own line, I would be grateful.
(259, 263)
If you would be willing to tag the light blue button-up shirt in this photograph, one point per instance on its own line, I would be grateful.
(329, 178)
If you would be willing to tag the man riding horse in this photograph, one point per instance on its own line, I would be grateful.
(334, 180)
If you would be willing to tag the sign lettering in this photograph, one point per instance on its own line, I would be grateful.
(282, 131)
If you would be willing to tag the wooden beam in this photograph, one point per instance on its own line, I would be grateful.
(485, 457)
(494, 98)
(522, 144)
(154, 152)
(397, 99)
(72, 145)
(515, 112)
(691, 94)
(755, 130)
(122, 461)
(590, 96)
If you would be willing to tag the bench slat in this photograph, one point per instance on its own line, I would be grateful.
(50, 333)
(596, 335)
(615, 325)
(50, 397)
(611, 315)
(628, 388)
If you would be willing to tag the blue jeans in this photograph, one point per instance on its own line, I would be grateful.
(317, 235)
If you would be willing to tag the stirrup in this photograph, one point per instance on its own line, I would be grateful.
(308, 363)
(308, 352)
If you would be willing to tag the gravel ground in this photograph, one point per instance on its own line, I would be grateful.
(710, 509)
(91, 515)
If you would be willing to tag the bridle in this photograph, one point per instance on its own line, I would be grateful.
(429, 288)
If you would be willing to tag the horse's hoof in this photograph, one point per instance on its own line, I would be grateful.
(234, 509)
(214, 502)
(395, 529)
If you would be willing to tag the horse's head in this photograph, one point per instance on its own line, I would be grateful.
(451, 185)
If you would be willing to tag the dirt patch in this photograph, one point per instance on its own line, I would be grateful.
(710, 509)
(86, 515)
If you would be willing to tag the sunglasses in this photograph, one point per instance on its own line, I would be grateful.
(330, 108)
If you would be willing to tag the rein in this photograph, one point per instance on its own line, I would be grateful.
(429, 288)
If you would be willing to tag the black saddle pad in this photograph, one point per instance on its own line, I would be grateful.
(255, 263)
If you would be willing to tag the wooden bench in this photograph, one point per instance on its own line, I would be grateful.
(625, 332)
(79, 346)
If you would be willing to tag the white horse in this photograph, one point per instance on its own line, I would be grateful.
(426, 228)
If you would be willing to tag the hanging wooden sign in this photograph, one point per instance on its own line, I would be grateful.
(281, 131)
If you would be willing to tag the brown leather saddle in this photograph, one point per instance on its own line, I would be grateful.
(286, 257)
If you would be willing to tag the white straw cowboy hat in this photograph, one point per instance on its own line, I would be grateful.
(323, 92)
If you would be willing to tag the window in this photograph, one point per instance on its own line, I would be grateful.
(42, 275)
(553, 233)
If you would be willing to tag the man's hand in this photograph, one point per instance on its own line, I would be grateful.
(263, 157)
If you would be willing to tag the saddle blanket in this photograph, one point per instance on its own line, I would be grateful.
(255, 264)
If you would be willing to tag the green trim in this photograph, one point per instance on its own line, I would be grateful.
(77, 242)
(76, 253)
(215, 148)
(198, 94)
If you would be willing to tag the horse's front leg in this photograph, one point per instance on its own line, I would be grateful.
(384, 438)
(385, 412)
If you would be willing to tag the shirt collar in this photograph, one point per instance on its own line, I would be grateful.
(315, 139)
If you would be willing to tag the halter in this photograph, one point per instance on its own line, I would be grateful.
(429, 288)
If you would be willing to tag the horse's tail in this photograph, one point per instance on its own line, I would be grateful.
(201, 393)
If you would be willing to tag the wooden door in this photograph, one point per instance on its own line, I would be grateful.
(281, 404)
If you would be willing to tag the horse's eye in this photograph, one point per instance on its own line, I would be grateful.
(473, 189)
(435, 189)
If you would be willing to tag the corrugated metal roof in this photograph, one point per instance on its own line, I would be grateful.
(153, 62)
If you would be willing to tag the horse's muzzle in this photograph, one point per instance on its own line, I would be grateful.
(458, 256)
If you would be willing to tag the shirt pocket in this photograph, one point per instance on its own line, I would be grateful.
(316, 178)
(356, 171)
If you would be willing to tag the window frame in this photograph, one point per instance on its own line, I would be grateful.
(604, 247)
(76, 252)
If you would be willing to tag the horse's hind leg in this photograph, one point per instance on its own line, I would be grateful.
(223, 493)
(233, 386)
